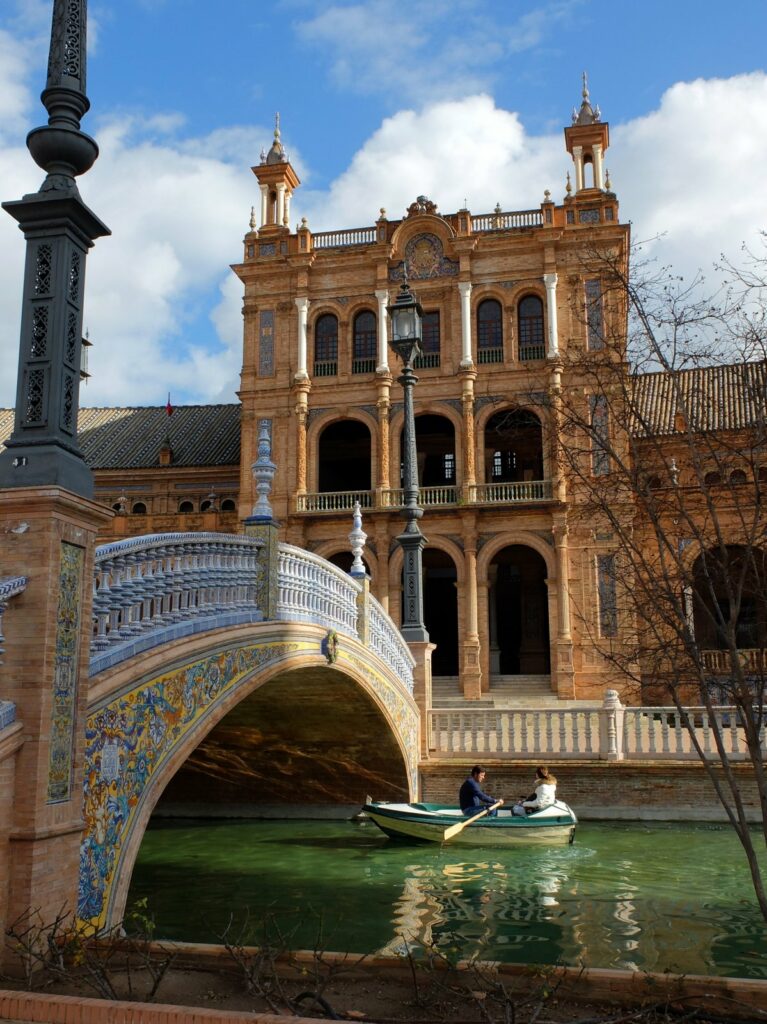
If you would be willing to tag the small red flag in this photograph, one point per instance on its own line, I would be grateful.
(169, 408)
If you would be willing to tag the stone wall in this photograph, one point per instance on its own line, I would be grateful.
(652, 790)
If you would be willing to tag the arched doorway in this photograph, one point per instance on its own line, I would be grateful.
(518, 613)
(435, 445)
(440, 610)
(513, 447)
(730, 599)
(344, 457)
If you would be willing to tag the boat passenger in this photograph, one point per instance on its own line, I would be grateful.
(471, 797)
(545, 791)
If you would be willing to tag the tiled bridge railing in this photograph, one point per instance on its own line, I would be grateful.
(313, 590)
(611, 732)
(151, 590)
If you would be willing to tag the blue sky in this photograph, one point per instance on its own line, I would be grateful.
(380, 100)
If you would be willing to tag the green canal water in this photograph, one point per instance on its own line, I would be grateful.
(626, 895)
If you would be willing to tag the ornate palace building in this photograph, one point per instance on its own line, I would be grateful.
(519, 592)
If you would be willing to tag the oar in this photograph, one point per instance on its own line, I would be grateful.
(455, 829)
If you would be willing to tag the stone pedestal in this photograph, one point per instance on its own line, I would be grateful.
(422, 653)
(48, 534)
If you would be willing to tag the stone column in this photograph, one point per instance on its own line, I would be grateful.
(264, 205)
(578, 158)
(383, 332)
(302, 305)
(565, 684)
(286, 217)
(422, 652)
(280, 212)
(471, 671)
(468, 447)
(464, 287)
(49, 535)
(559, 479)
(550, 280)
(302, 417)
(383, 405)
(599, 179)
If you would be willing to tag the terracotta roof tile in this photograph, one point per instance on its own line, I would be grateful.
(200, 435)
(729, 397)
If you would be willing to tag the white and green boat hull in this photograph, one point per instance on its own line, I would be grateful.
(554, 826)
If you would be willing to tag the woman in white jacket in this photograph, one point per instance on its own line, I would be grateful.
(545, 791)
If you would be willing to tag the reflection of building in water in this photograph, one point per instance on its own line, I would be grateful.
(618, 927)
(472, 906)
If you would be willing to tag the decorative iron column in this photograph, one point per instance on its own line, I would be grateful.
(406, 316)
(59, 229)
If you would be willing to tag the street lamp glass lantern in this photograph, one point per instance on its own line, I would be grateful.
(406, 313)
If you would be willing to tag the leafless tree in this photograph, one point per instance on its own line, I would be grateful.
(661, 443)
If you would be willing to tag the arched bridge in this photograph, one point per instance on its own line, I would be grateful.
(253, 664)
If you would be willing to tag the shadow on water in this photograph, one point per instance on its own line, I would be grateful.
(623, 895)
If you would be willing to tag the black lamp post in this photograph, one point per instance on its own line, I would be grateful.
(406, 313)
(59, 229)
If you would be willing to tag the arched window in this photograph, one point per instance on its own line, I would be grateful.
(228, 505)
(490, 331)
(207, 506)
(364, 348)
(138, 508)
(326, 346)
(738, 477)
(186, 506)
(530, 318)
(429, 357)
(712, 479)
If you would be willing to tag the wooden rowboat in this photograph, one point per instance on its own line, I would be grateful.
(553, 826)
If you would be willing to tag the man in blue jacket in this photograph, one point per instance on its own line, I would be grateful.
(471, 797)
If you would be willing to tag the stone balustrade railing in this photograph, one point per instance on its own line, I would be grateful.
(149, 590)
(313, 590)
(428, 497)
(341, 239)
(10, 587)
(517, 492)
(751, 660)
(511, 493)
(482, 222)
(386, 640)
(611, 732)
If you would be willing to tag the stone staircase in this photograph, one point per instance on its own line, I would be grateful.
(523, 691)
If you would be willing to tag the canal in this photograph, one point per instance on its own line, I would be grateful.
(626, 895)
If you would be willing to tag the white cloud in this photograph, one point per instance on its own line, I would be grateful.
(178, 208)
(424, 49)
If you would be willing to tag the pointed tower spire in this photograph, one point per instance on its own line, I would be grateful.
(277, 180)
(587, 138)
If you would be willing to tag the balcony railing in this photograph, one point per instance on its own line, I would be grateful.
(719, 663)
(490, 355)
(326, 368)
(394, 497)
(511, 493)
(338, 239)
(333, 501)
(611, 732)
(516, 493)
(531, 353)
(426, 361)
(363, 365)
(504, 221)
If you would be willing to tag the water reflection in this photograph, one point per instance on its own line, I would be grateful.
(622, 896)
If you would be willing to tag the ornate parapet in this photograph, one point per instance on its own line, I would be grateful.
(150, 590)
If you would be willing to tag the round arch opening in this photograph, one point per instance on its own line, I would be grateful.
(518, 613)
(440, 610)
(513, 447)
(308, 739)
(344, 457)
